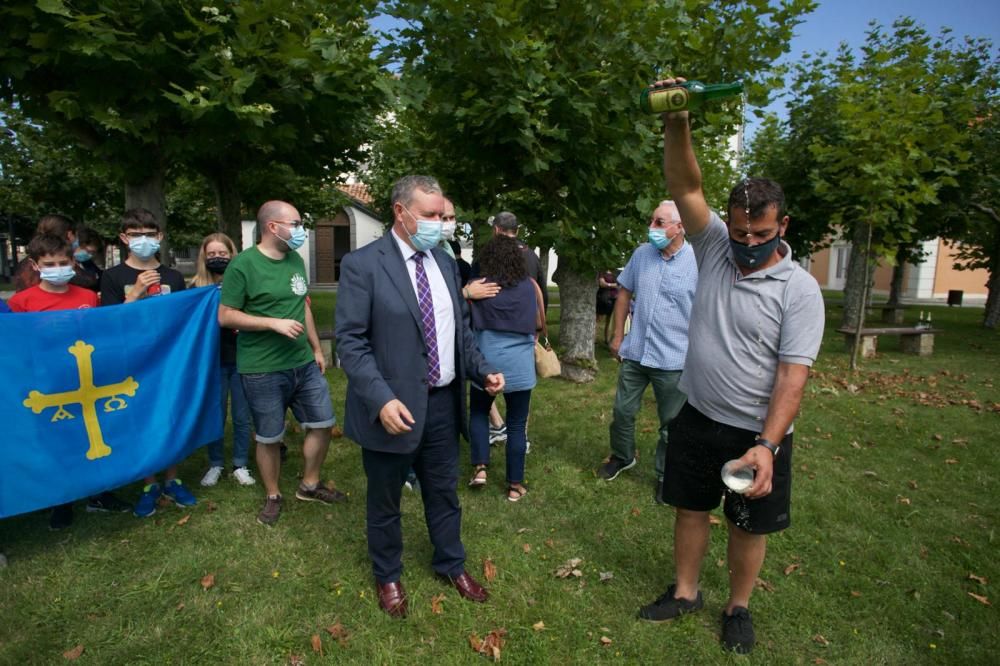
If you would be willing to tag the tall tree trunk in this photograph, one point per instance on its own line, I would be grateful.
(577, 304)
(896, 286)
(228, 211)
(149, 193)
(991, 318)
(857, 274)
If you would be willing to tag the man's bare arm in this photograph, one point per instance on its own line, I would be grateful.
(681, 170)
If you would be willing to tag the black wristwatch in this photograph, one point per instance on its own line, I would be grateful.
(769, 445)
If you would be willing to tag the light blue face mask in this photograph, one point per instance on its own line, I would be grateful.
(144, 247)
(428, 233)
(82, 256)
(58, 275)
(297, 238)
(658, 237)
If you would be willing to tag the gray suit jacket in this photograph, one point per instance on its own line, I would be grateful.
(381, 347)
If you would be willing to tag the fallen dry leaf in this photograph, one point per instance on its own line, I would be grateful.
(978, 579)
(636, 511)
(912, 485)
(762, 584)
(924, 552)
(550, 543)
(792, 567)
(336, 432)
(980, 598)
(338, 632)
(819, 660)
(317, 644)
(436, 603)
(903, 500)
(606, 576)
(523, 530)
(569, 568)
(855, 445)
(959, 540)
(526, 548)
(207, 581)
(74, 653)
(538, 626)
(605, 641)
(837, 458)
(489, 646)
(818, 638)
(183, 521)
(950, 461)
(296, 660)
(164, 501)
(936, 437)
(713, 519)
(489, 570)
(179, 606)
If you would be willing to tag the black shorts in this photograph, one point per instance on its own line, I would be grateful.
(697, 448)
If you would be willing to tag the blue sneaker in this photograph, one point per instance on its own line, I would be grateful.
(146, 506)
(179, 493)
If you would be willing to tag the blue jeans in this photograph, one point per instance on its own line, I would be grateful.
(232, 388)
(303, 389)
(518, 404)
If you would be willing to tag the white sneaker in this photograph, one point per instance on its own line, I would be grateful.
(243, 476)
(211, 476)
(527, 446)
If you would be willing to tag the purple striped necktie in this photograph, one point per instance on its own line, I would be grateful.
(426, 303)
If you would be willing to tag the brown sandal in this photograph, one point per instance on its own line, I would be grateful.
(478, 481)
(515, 493)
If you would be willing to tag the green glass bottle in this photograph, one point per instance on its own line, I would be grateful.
(687, 96)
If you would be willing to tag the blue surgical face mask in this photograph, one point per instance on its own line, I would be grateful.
(144, 247)
(428, 233)
(76, 243)
(297, 238)
(82, 256)
(658, 237)
(58, 275)
(752, 256)
(448, 230)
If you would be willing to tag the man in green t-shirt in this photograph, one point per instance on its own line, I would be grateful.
(264, 298)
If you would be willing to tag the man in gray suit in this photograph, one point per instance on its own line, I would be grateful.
(403, 339)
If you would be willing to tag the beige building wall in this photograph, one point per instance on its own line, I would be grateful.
(946, 277)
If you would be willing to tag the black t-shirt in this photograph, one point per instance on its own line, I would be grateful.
(117, 282)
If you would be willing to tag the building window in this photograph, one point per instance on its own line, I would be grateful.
(843, 258)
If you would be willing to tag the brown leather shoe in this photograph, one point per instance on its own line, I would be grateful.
(469, 589)
(392, 598)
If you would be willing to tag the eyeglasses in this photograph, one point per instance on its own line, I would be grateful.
(294, 223)
(135, 235)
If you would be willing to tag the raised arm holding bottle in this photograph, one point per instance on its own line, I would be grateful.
(755, 329)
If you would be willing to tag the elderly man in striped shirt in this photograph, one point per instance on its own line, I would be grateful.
(661, 276)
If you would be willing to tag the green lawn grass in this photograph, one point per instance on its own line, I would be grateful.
(894, 511)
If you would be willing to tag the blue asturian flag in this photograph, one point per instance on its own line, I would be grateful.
(93, 399)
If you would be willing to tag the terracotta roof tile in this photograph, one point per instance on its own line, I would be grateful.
(357, 191)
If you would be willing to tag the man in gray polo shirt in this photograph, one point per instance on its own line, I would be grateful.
(755, 330)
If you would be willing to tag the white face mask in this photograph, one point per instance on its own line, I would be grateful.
(448, 230)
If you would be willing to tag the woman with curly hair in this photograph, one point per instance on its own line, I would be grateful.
(506, 327)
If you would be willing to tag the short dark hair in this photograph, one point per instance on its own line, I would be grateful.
(502, 261)
(45, 244)
(54, 224)
(87, 236)
(757, 195)
(402, 189)
(506, 221)
(139, 218)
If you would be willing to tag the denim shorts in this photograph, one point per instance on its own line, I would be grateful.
(303, 389)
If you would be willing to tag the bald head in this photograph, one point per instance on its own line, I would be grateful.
(279, 211)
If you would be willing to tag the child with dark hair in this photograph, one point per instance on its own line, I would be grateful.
(59, 226)
(140, 276)
(52, 259)
(89, 246)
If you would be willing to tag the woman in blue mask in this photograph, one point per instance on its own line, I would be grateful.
(214, 256)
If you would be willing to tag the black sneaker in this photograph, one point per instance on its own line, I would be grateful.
(737, 631)
(667, 607)
(61, 517)
(610, 470)
(107, 503)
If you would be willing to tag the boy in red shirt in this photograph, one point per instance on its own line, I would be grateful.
(52, 257)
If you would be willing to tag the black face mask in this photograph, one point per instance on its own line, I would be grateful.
(752, 257)
(216, 265)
